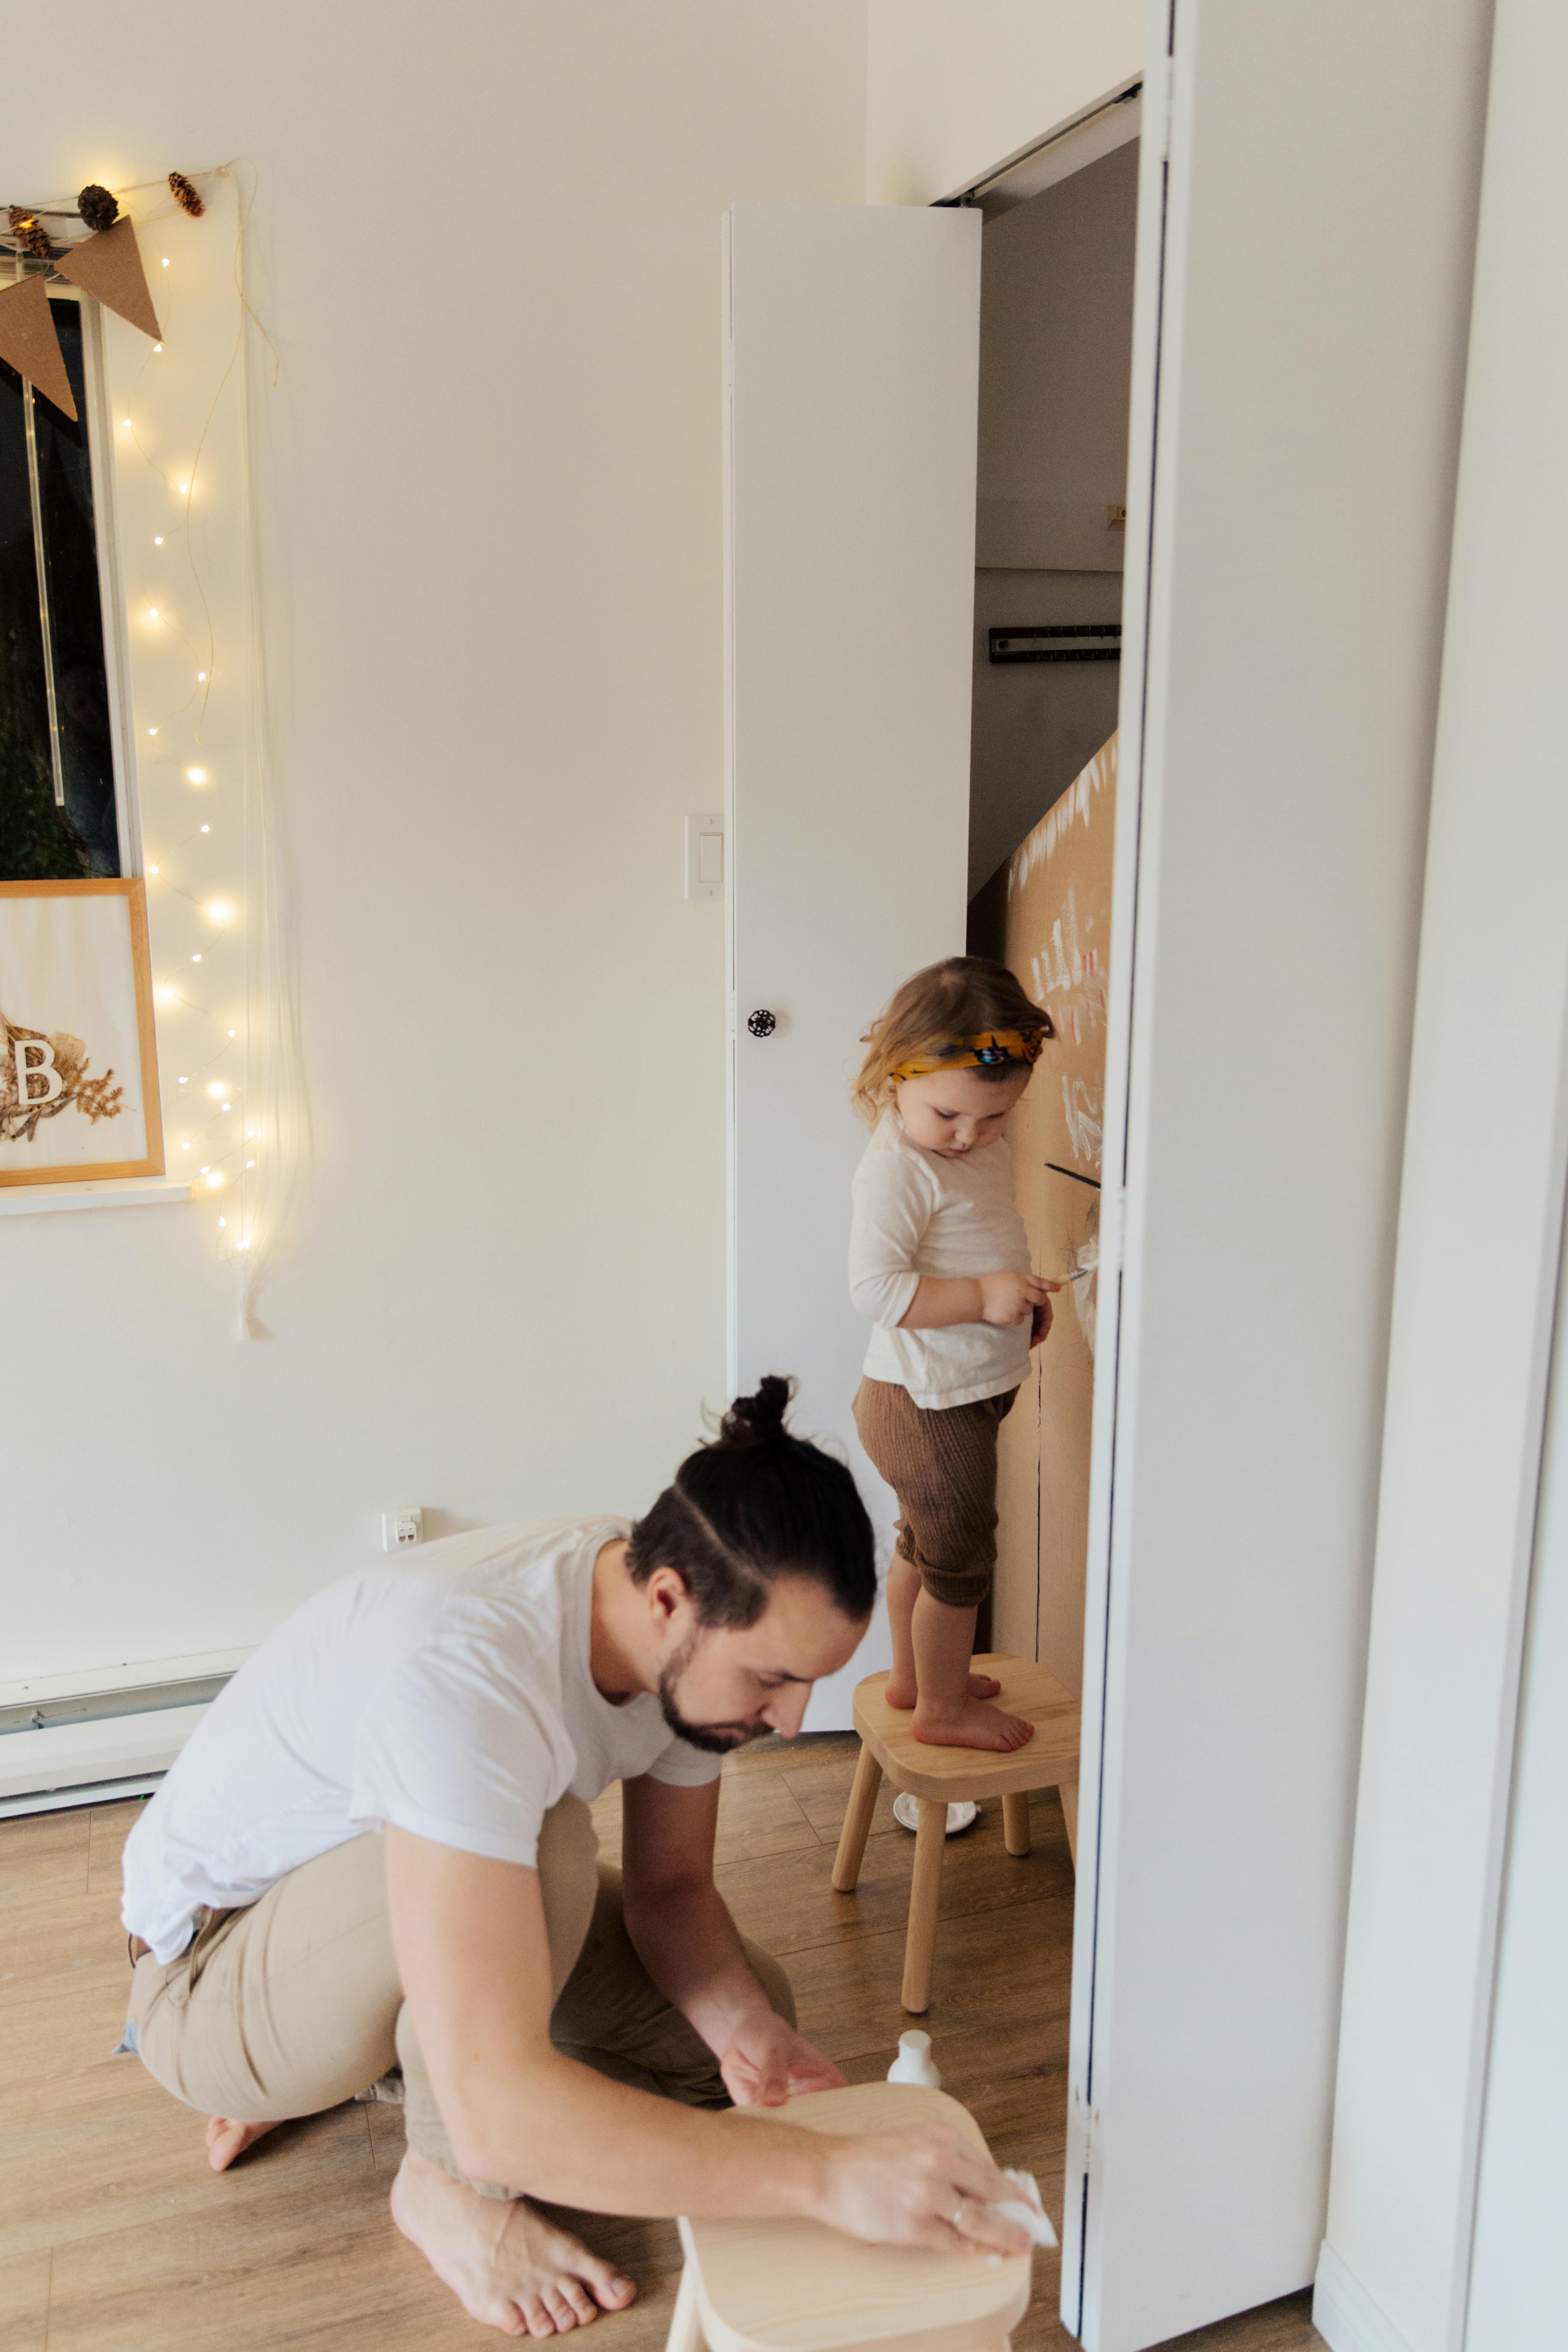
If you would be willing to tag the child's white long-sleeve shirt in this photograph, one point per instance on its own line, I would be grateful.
(916, 1212)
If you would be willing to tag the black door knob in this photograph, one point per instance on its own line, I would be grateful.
(762, 1024)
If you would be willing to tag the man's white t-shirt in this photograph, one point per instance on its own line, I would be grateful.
(452, 1699)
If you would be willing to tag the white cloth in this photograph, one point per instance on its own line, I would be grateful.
(915, 1212)
(1025, 2208)
(452, 1699)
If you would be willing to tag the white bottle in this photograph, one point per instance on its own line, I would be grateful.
(914, 2063)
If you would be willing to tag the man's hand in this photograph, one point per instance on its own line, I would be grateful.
(1014, 1297)
(924, 2187)
(768, 2062)
(517, 2109)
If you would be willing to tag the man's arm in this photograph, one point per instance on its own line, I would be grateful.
(475, 1965)
(685, 1938)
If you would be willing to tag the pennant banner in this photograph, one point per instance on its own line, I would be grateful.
(109, 267)
(28, 341)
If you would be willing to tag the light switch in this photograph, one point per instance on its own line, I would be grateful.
(704, 857)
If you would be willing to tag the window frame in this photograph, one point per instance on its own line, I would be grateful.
(97, 429)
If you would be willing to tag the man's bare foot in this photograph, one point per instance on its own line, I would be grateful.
(971, 1725)
(227, 2139)
(505, 2263)
(905, 1695)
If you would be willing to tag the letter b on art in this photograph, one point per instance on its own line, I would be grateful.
(35, 1058)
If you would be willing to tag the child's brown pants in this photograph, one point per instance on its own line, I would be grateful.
(941, 1463)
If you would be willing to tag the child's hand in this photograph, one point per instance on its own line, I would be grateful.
(1016, 1298)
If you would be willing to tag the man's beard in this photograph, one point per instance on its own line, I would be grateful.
(714, 1738)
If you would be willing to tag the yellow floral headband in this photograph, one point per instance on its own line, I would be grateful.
(991, 1047)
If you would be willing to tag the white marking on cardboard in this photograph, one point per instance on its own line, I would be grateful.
(1086, 1295)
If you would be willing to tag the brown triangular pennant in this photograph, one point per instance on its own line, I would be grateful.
(109, 265)
(28, 341)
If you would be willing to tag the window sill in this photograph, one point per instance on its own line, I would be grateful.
(113, 1193)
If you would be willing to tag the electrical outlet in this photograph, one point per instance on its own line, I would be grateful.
(400, 1529)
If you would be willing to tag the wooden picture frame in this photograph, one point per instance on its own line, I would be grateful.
(64, 966)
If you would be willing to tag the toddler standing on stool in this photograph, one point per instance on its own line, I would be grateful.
(939, 1260)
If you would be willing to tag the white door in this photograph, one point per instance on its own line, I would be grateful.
(1302, 315)
(851, 365)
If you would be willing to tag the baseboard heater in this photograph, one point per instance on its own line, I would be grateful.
(62, 1744)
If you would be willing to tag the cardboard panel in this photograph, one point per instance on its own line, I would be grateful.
(1015, 1594)
(1059, 943)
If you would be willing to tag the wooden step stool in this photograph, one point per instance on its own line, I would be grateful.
(943, 1776)
(799, 2287)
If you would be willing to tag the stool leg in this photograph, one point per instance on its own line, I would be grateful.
(857, 1823)
(685, 2326)
(1067, 1793)
(925, 1890)
(1015, 1822)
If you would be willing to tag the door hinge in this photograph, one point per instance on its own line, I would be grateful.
(1159, 86)
(1112, 1227)
(1085, 2117)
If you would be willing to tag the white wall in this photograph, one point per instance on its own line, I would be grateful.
(488, 248)
(1056, 358)
(1033, 725)
(1481, 1223)
(954, 89)
(1056, 354)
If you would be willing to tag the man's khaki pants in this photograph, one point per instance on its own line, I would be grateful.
(293, 2005)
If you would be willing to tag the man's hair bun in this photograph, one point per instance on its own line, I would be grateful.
(754, 1505)
(758, 1420)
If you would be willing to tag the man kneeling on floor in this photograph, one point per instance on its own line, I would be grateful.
(375, 1854)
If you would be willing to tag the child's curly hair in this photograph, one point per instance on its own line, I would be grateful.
(935, 1011)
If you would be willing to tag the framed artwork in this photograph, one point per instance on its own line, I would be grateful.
(78, 1069)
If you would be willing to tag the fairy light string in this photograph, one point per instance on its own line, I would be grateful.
(181, 429)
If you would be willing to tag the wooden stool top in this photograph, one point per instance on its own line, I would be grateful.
(799, 2287)
(955, 1773)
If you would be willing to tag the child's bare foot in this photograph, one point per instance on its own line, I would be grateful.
(506, 2263)
(905, 1695)
(227, 2139)
(971, 1725)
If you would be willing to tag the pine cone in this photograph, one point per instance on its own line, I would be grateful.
(30, 233)
(185, 196)
(97, 207)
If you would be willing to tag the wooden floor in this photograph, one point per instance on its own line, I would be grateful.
(114, 2237)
